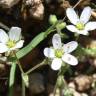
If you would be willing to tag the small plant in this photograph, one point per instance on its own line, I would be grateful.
(57, 56)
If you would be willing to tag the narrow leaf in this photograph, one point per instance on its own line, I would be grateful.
(12, 78)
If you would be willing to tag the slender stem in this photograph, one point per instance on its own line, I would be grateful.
(58, 30)
(77, 36)
(54, 91)
(12, 78)
(18, 62)
(23, 88)
(73, 7)
(77, 3)
(35, 67)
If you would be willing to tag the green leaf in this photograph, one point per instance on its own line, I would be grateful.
(31, 45)
(90, 51)
(36, 40)
(12, 78)
(81, 51)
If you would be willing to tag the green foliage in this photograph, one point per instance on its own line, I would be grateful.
(31, 45)
(81, 51)
(12, 78)
(67, 92)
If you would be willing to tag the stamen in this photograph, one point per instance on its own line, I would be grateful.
(59, 53)
(10, 44)
(80, 26)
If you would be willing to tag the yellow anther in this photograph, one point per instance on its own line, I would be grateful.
(10, 44)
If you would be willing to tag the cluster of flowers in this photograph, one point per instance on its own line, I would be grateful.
(59, 53)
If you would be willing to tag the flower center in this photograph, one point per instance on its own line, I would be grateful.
(10, 44)
(59, 53)
(80, 26)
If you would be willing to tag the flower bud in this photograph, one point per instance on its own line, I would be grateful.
(52, 19)
(60, 81)
(61, 25)
(25, 79)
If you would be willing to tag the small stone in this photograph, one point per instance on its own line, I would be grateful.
(76, 94)
(83, 82)
(36, 83)
(93, 14)
(84, 94)
(8, 3)
(37, 12)
(93, 61)
(94, 76)
(36, 9)
(93, 92)
(3, 59)
(72, 85)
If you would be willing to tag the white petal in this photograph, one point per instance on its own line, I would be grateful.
(72, 16)
(18, 45)
(69, 47)
(72, 28)
(90, 26)
(83, 32)
(70, 59)
(56, 41)
(3, 48)
(3, 36)
(56, 64)
(85, 15)
(15, 33)
(49, 52)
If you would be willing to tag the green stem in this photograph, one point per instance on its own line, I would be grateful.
(35, 67)
(54, 91)
(12, 78)
(77, 36)
(77, 3)
(23, 88)
(18, 62)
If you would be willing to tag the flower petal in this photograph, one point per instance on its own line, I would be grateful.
(18, 45)
(90, 26)
(83, 32)
(68, 58)
(72, 28)
(56, 41)
(49, 52)
(3, 36)
(72, 16)
(15, 33)
(85, 15)
(69, 47)
(56, 64)
(3, 48)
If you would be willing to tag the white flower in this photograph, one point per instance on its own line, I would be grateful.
(61, 53)
(11, 41)
(81, 25)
